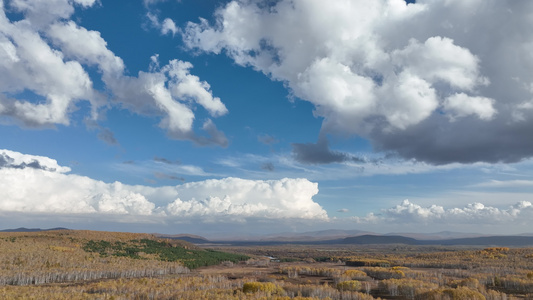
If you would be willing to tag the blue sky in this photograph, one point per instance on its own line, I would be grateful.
(251, 117)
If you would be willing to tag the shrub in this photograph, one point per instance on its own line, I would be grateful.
(350, 285)
(355, 274)
(449, 293)
(384, 273)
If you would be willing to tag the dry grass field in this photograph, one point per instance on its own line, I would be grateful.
(71, 264)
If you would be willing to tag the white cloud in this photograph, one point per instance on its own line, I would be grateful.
(165, 27)
(41, 13)
(368, 219)
(409, 210)
(14, 159)
(474, 213)
(412, 100)
(333, 56)
(33, 65)
(461, 105)
(38, 191)
(477, 217)
(183, 85)
(179, 117)
(85, 3)
(285, 198)
(524, 108)
(171, 91)
(47, 54)
(154, 19)
(85, 46)
(35, 184)
(439, 59)
(393, 72)
(168, 26)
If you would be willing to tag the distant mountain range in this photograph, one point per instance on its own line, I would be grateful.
(332, 234)
(443, 235)
(314, 235)
(369, 239)
(473, 241)
(351, 237)
(23, 229)
(357, 237)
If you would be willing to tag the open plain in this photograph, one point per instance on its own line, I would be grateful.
(69, 264)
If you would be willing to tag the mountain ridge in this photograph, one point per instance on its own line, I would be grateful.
(347, 237)
(24, 229)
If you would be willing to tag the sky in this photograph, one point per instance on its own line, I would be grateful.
(252, 117)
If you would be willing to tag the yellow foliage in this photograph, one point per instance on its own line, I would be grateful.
(350, 285)
(354, 274)
(266, 287)
(384, 273)
(54, 266)
(32, 258)
(494, 252)
(458, 293)
(497, 249)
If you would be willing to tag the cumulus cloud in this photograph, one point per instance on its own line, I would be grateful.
(165, 27)
(159, 91)
(16, 160)
(29, 63)
(49, 189)
(461, 105)
(168, 26)
(285, 198)
(430, 80)
(45, 55)
(474, 213)
(472, 217)
(36, 184)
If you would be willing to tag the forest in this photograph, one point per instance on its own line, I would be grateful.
(71, 264)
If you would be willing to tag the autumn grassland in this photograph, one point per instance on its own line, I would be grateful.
(68, 264)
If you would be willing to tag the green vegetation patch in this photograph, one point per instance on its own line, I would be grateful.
(164, 251)
(368, 263)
